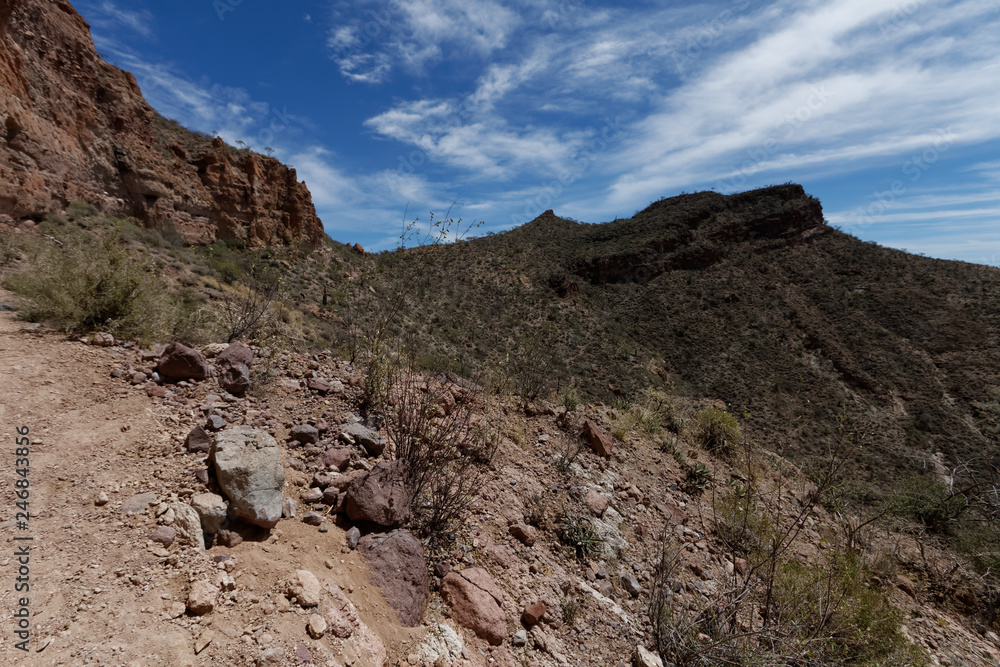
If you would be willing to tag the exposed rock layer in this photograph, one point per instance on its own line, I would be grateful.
(73, 127)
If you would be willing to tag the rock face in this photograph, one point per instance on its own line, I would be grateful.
(398, 568)
(379, 497)
(74, 127)
(180, 362)
(248, 468)
(475, 603)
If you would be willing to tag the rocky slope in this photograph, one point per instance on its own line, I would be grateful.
(73, 127)
(122, 574)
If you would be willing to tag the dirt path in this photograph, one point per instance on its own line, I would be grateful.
(99, 594)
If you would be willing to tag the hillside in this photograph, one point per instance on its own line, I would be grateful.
(75, 128)
(750, 298)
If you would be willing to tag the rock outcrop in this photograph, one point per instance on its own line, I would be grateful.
(73, 127)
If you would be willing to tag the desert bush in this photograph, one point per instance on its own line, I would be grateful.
(716, 430)
(698, 477)
(95, 282)
(79, 209)
(445, 454)
(248, 307)
(778, 610)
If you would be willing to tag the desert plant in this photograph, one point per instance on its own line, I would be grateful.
(95, 282)
(247, 308)
(698, 477)
(444, 453)
(716, 430)
(577, 533)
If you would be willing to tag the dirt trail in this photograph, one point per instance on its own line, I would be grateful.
(99, 595)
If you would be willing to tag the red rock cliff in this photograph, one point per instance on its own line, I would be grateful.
(74, 127)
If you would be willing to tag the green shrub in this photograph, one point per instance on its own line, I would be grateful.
(79, 209)
(95, 283)
(716, 430)
(698, 477)
(931, 503)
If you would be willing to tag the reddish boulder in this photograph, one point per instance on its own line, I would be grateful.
(180, 362)
(337, 458)
(475, 603)
(598, 441)
(533, 613)
(380, 497)
(398, 568)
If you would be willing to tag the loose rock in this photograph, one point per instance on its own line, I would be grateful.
(248, 468)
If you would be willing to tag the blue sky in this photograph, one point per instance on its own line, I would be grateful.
(887, 110)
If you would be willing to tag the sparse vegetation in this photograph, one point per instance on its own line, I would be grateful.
(716, 430)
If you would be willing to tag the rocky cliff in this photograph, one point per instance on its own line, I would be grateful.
(75, 127)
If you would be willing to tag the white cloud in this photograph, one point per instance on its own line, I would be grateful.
(105, 14)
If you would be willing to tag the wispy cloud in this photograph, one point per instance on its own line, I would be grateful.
(106, 14)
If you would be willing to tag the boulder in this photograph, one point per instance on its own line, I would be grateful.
(600, 443)
(380, 497)
(475, 603)
(237, 353)
(180, 362)
(598, 503)
(337, 458)
(198, 440)
(102, 339)
(211, 509)
(249, 471)
(372, 443)
(397, 566)
(235, 379)
(524, 533)
(533, 613)
(304, 433)
(164, 536)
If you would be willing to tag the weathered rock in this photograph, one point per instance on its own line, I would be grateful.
(312, 518)
(312, 495)
(188, 525)
(643, 658)
(353, 535)
(214, 349)
(524, 533)
(138, 503)
(372, 443)
(631, 584)
(533, 613)
(235, 354)
(235, 379)
(272, 657)
(228, 538)
(321, 387)
(204, 639)
(520, 638)
(337, 458)
(202, 598)
(316, 627)
(304, 433)
(215, 423)
(338, 623)
(304, 587)
(211, 509)
(441, 646)
(180, 362)
(380, 497)
(288, 508)
(906, 585)
(198, 440)
(163, 535)
(597, 502)
(600, 443)
(102, 339)
(102, 499)
(248, 468)
(397, 566)
(475, 603)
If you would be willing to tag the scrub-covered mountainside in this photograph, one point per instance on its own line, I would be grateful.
(750, 298)
(73, 127)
